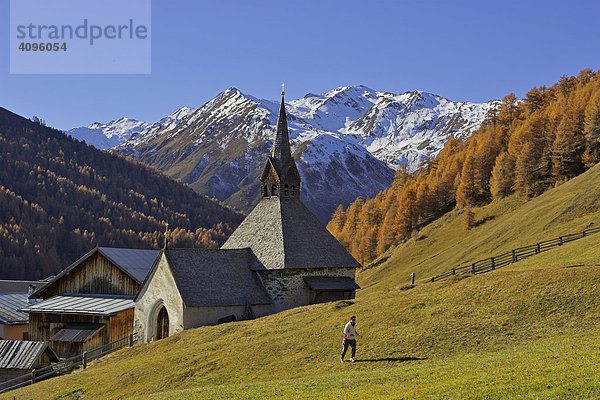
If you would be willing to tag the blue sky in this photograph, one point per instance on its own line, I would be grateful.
(463, 50)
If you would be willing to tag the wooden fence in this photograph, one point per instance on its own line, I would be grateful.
(67, 365)
(493, 263)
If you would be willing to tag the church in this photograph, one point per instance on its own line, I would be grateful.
(280, 257)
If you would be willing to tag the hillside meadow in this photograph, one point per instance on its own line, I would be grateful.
(526, 331)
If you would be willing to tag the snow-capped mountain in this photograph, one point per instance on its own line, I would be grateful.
(347, 142)
(109, 135)
(114, 133)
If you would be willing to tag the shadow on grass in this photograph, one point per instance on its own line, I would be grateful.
(397, 359)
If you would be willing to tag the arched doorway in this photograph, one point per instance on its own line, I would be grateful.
(162, 324)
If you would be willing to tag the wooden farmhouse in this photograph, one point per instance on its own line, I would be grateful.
(280, 257)
(90, 303)
(19, 357)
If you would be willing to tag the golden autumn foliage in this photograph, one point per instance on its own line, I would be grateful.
(523, 147)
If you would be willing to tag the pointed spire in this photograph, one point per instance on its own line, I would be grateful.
(281, 145)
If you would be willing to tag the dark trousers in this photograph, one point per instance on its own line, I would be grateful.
(345, 344)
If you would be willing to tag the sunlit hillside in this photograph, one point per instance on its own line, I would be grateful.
(525, 331)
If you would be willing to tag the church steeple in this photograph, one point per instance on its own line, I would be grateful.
(280, 178)
(281, 151)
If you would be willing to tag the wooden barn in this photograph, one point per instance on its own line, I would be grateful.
(90, 303)
(19, 357)
(74, 323)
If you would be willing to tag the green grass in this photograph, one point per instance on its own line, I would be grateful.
(528, 330)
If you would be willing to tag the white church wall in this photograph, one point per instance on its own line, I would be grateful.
(158, 291)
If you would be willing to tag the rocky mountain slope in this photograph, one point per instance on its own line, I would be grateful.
(347, 142)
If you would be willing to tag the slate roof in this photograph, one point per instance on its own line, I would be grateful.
(10, 303)
(22, 354)
(88, 304)
(11, 286)
(136, 263)
(76, 332)
(331, 283)
(207, 278)
(284, 233)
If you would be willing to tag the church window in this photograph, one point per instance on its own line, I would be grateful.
(274, 190)
(286, 192)
(293, 190)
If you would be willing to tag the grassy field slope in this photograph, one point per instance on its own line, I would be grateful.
(501, 226)
(524, 331)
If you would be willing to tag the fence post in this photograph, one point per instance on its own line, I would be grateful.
(131, 338)
(32, 376)
(84, 360)
(454, 271)
(473, 268)
(560, 241)
(493, 265)
(537, 248)
(514, 256)
(583, 233)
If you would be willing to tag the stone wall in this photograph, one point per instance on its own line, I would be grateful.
(297, 292)
(288, 289)
(273, 281)
(159, 290)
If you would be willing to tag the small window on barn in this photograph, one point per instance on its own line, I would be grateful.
(274, 190)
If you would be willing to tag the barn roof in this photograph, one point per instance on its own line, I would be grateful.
(135, 263)
(76, 332)
(86, 304)
(22, 354)
(331, 283)
(10, 303)
(216, 277)
(284, 233)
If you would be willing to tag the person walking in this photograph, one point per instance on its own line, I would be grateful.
(350, 335)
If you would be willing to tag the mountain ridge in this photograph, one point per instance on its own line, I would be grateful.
(366, 135)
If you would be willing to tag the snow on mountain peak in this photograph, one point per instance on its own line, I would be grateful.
(109, 135)
(395, 127)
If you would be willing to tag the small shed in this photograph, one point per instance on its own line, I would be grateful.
(330, 288)
(14, 324)
(74, 323)
(19, 357)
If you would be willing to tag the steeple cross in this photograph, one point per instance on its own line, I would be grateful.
(282, 89)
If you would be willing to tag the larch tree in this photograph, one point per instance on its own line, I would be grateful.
(566, 157)
(503, 176)
(592, 137)
(525, 171)
(465, 194)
